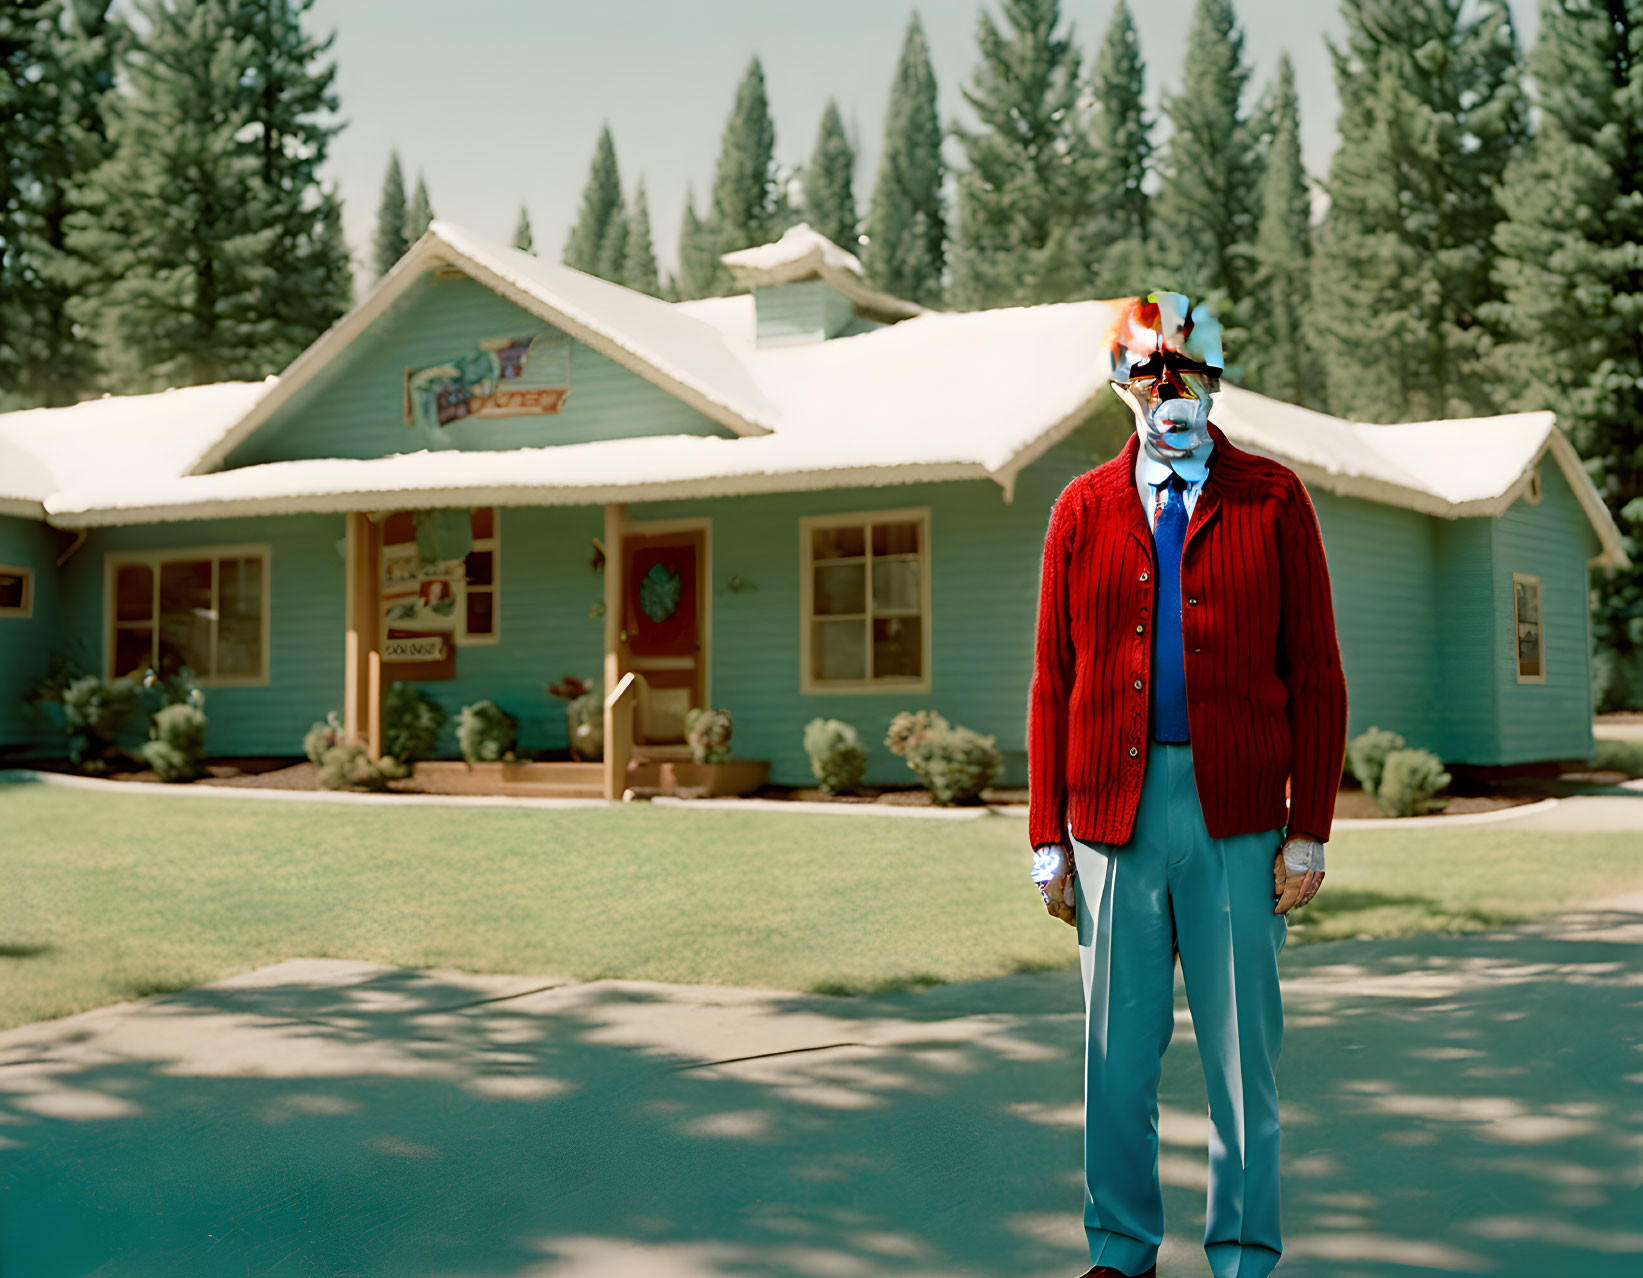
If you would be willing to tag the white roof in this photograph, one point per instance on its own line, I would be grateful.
(799, 247)
(1453, 467)
(941, 396)
(803, 254)
(125, 441)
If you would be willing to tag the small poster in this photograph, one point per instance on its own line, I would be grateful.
(420, 605)
(515, 376)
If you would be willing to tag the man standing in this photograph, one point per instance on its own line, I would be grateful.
(1186, 669)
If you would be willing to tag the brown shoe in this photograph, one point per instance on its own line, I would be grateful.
(1107, 1271)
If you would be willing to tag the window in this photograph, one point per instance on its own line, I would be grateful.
(205, 609)
(16, 592)
(865, 602)
(478, 607)
(1530, 641)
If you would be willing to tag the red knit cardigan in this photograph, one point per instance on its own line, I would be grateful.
(1266, 698)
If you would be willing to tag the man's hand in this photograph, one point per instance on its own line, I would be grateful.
(1053, 872)
(1297, 873)
(1059, 899)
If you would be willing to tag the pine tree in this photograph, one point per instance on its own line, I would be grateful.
(590, 246)
(613, 253)
(829, 182)
(1431, 110)
(699, 265)
(906, 247)
(1278, 358)
(745, 194)
(1121, 158)
(179, 211)
(1209, 170)
(53, 136)
(420, 216)
(639, 267)
(390, 243)
(24, 116)
(290, 105)
(1574, 290)
(522, 232)
(1024, 204)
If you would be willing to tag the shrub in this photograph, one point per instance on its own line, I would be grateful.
(1618, 756)
(955, 764)
(321, 737)
(411, 723)
(959, 764)
(837, 756)
(347, 766)
(485, 732)
(708, 732)
(95, 711)
(910, 727)
(1366, 756)
(1409, 783)
(176, 751)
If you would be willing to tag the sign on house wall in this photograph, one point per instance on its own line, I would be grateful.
(515, 376)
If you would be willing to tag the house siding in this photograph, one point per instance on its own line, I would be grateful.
(1383, 581)
(1551, 540)
(804, 309)
(355, 406)
(1465, 638)
(26, 643)
(305, 659)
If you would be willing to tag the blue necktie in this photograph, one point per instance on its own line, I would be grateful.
(1169, 675)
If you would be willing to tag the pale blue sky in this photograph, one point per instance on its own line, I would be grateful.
(501, 102)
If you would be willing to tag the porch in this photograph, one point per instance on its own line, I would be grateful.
(413, 603)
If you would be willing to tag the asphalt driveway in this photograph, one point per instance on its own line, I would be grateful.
(1469, 1104)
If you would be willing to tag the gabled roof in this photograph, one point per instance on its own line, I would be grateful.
(645, 335)
(940, 397)
(1452, 468)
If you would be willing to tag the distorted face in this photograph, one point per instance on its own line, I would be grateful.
(1167, 362)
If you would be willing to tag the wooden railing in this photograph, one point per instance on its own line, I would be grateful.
(619, 707)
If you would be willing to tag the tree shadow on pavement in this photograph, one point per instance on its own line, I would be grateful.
(1465, 1104)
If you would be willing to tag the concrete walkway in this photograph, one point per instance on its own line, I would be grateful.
(1468, 1105)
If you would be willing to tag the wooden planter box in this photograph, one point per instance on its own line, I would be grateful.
(700, 780)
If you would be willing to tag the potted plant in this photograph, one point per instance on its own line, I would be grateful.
(584, 716)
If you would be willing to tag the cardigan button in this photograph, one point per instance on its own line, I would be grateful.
(1139, 627)
(1134, 752)
(1143, 576)
(1138, 685)
(1193, 602)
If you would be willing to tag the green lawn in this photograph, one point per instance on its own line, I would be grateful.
(105, 897)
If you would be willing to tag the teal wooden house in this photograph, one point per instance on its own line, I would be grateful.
(806, 500)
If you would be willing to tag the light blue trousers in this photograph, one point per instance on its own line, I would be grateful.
(1173, 887)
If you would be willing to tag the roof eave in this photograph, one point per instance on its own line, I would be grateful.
(522, 494)
(23, 507)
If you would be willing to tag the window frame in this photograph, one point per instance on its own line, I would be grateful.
(893, 685)
(25, 610)
(114, 560)
(1540, 603)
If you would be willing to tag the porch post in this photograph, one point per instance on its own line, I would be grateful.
(362, 662)
(618, 719)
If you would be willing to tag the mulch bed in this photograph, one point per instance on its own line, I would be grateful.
(293, 774)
